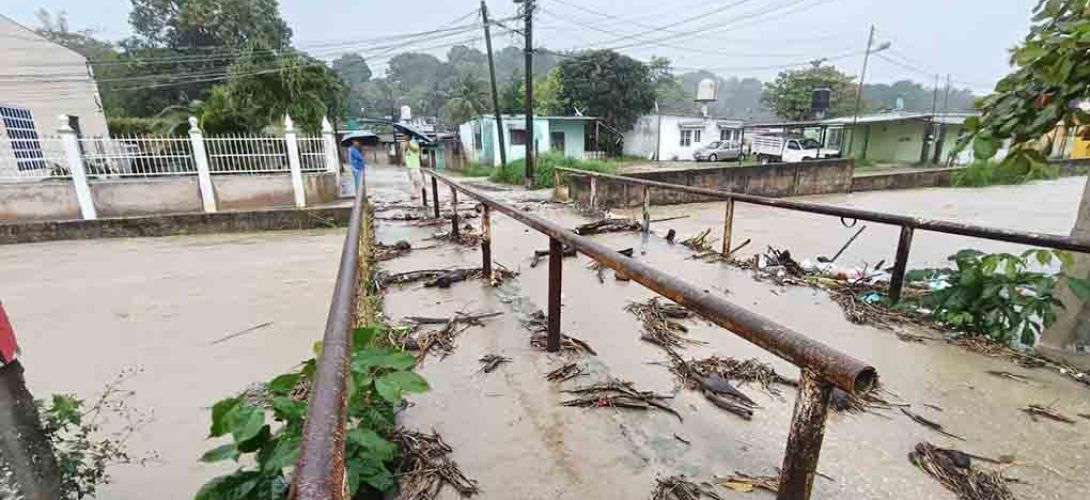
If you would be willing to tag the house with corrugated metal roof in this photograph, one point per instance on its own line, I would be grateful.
(574, 136)
(897, 137)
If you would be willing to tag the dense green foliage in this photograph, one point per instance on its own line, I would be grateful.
(515, 172)
(607, 85)
(379, 378)
(998, 295)
(1048, 87)
(791, 93)
(987, 173)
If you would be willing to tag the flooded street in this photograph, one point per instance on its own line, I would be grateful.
(509, 431)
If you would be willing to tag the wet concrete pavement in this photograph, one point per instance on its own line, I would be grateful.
(510, 433)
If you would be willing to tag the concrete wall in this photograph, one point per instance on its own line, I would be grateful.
(56, 200)
(574, 136)
(45, 200)
(640, 140)
(906, 180)
(775, 180)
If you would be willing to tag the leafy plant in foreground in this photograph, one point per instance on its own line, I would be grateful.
(379, 378)
(997, 294)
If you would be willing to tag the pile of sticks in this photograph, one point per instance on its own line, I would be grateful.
(425, 467)
(954, 470)
(440, 339)
(444, 278)
(565, 373)
(607, 225)
(679, 488)
(388, 252)
(715, 388)
(702, 242)
(616, 393)
(751, 370)
(538, 326)
(660, 325)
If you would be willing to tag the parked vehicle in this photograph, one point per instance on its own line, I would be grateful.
(777, 148)
(719, 151)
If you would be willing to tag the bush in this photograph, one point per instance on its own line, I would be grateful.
(131, 125)
(473, 170)
(988, 173)
(515, 172)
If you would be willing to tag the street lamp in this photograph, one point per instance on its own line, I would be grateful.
(871, 49)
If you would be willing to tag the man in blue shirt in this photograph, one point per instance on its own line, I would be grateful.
(355, 158)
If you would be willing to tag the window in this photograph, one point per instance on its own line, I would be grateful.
(793, 145)
(518, 137)
(696, 136)
(835, 137)
(730, 134)
(556, 141)
(27, 149)
(686, 138)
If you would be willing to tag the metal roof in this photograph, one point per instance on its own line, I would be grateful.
(897, 116)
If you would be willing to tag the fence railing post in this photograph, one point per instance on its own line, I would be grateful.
(900, 265)
(805, 437)
(556, 267)
(455, 231)
(291, 140)
(593, 192)
(435, 195)
(486, 242)
(728, 227)
(204, 173)
(646, 209)
(332, 153)
(76, 169)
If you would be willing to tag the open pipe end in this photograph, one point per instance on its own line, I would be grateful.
(865, 380)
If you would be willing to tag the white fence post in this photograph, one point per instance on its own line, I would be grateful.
(204, 173)
(332, 154)
(290, 138)
(75, 168)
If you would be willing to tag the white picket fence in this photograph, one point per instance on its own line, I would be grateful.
(29, 157)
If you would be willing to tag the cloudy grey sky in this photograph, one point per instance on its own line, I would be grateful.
(967, 38)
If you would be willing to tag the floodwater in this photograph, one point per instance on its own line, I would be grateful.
(86, 310)
(510, 433)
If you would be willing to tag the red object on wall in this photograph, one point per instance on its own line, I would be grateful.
(8, 347)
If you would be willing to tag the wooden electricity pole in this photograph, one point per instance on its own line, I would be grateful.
(528, 13)
(495, 93)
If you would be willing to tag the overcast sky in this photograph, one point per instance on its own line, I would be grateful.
(968, 38)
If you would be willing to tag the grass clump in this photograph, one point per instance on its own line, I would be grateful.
(473, 170)
(515, 172)
(989, 173)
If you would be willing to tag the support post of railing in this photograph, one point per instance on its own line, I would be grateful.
(76, 169)
(728, 227)
(556, 263)
(486, 243)
(435, 195)
(294, 165)
(593, 192)
(204, 172)
(556, 186)
(646, 209)
(805, 437)
(900, 265)
(424, 196)
(454, 230)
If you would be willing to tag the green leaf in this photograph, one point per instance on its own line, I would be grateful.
(236, 485)
(391, 385)
(985, 147)
(220, 453)
(283, 384)
(258, 442)
(284, 454)
(289, 409)
(244, 421)
(1079, 286)
(219, 416)
(1065, 257)
(364, 336)
(365, 469)
(373, 443)
(382, 358)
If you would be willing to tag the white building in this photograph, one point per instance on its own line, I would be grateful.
(39, 81)
(673, 137)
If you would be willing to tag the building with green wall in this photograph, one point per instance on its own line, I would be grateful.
(897, 137)
(480, 137)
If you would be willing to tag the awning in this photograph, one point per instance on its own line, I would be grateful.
(409, 129)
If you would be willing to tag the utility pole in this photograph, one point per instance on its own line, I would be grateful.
(495, 93)
(528, 12)
(859, 91)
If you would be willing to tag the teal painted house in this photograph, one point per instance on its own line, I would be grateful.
(481, 140)
(896, 137)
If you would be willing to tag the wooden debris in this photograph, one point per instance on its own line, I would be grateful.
(490, 362)
(467, 236)
(619, 394)
(846, 402)
(608, 225)
(930, 424)
(659, 322)
(701, 242)
(1085, 415)
(472, 318)
(442, 339)
(679, 488)
(541, 254)
(715, 389)
(565, 373)
(745, 483)
(241, 332)
(1008, 375)
(682, 440)
(750, 370)
(443, 278)
(539, 328)
(388, 252)
(1035, 411)
(600, 269)
(954, 470)
(425, 467)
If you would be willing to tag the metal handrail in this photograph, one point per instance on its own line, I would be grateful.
(320, 469)
(822, 366)
(907, 223)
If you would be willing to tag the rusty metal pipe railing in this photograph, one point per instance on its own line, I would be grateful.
(319, 472)
(822, 366)
(907, 224)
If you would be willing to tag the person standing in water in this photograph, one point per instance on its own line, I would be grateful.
(412, 164)
(355, 158)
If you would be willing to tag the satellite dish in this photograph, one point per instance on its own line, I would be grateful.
(707, 90)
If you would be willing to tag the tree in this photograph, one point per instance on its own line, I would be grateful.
(354, 71)
(193, 24)
(790, 95)
(1047, 88)
(608, 85)
(670, 94)
(916, 97)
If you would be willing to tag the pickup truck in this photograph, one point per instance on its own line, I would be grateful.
(775, 149)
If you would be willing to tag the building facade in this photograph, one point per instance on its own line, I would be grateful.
(675, 137)
(898, 137)
(480, 137)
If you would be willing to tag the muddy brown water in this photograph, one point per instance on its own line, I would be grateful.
(85, 310)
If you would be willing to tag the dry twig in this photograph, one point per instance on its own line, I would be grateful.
(565, 373)
(679, 488)
(425, 467)
(954, 470)
(701, 242)
(490, 362)
(930, 424)
(1035, 411)
(659, 322)
(388, 252)
(742, 482)
(608, 225)
(539, 328)
(618, 394)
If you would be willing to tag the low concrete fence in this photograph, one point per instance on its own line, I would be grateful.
(905, 180)
(775, 180)
(67, 177)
